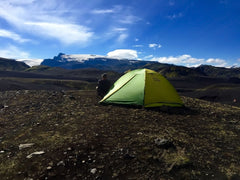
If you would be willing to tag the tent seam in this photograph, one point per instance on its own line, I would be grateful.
(144, 91)
(118, 89)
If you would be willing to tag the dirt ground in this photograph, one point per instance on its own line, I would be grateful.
(68, 135)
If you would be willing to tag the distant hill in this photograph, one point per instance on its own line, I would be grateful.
(12, 65)
(52, 78)
(173, 71)
(218, 71)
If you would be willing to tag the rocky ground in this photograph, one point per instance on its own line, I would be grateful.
(68, 135)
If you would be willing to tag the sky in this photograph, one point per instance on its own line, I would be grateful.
(180, 32)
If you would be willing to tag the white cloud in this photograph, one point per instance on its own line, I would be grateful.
(120, 29)
(12, 35)
(122, 38)
(45, 19)
(66, 33)
(65, 22)
(102, 11)
(154, 45)
(129, 19)
(120, 14)
(217, 62)
(21, 2)
(115, 9)
(180, 60)
(123, 54)
(148, 57)
(13, 52)
(188, 60)
(120, 34)
(14, 17)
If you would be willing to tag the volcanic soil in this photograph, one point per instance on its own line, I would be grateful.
(68, 135)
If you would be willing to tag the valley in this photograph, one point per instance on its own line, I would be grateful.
(52, 126)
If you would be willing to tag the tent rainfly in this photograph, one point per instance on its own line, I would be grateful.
(143, 87)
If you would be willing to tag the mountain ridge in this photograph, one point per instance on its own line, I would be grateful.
(93, 61)
(122, 65)
(104, 63)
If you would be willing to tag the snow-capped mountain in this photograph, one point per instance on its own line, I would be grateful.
(31, 62)
(76, 57)
(93, 61)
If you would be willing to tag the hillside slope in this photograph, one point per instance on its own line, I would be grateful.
(12, 65)
(51, 78)
(68, 135)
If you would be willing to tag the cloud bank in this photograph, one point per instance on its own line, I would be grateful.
(13, 52)
(12, 35)
(45, 19)
(184, 60)
(188, 60)
(66, 33)
(154, 45)
(123, 54)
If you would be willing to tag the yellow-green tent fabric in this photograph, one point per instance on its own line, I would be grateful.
(143, 87)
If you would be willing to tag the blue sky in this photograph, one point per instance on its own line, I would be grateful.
(182, 32)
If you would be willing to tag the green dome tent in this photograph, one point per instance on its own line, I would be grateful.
(143, 87)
